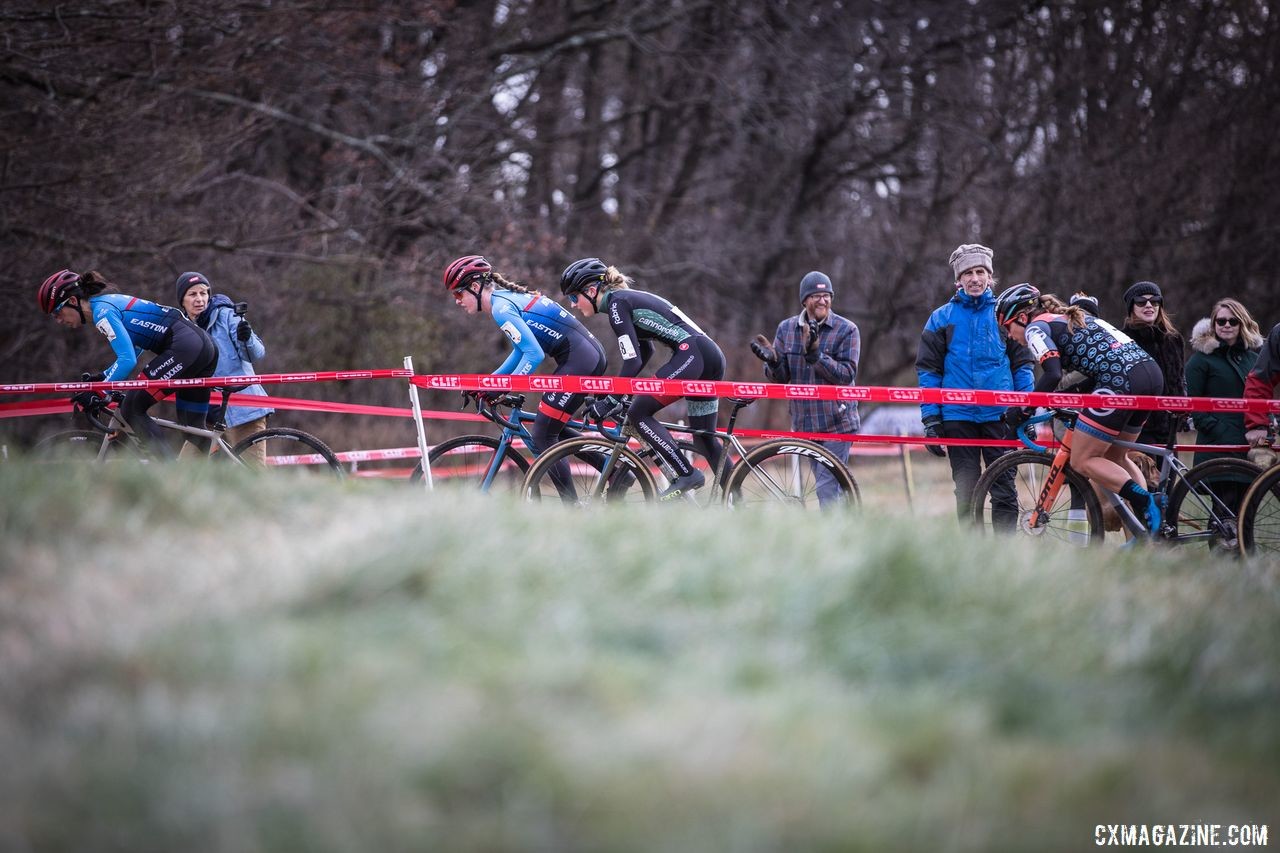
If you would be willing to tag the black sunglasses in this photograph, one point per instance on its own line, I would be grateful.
(1148, 300)
(1226, 321)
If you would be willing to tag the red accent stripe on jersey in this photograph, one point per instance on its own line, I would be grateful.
(532, 302)
(554, 414)
(129, 304)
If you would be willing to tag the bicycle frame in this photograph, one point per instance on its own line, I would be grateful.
(117, 423)
(513, 426)
(1171, 469)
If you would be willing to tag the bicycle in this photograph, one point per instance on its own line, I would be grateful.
(488, 463)
(776, 471)
(1260, 507)
(112, 438)
(1192, 511)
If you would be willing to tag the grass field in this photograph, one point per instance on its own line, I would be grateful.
(199, 659)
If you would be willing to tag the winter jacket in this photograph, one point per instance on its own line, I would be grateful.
(1167, 351)
(962, 347)
(1262, 381)
(1216, 370)
(234, 358)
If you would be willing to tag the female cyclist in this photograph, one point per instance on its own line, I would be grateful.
(182, 350)
(537, 327)
(1064, 338)
(638, 319)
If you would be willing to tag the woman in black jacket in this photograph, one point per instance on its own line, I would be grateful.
(1147, 322)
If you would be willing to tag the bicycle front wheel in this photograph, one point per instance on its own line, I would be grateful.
(792, 472)
(76, 445)
(471, 461)
(1260, 516)
(570, 471)
(282, 448)
(1005, 497)
(1204, 503)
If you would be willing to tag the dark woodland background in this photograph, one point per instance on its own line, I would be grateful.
(323, 161)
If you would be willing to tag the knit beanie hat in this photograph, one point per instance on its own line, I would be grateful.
(1142, 288)
(815, 282)
(1087, 302)
(188, 280)
(970, 255)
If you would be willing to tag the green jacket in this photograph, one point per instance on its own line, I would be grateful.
(1215, 370)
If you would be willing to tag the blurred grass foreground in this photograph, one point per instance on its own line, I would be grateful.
(200, 659)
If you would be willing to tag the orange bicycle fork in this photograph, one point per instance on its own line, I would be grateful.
(1052, 485)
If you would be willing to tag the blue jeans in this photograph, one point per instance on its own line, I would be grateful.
(829, 490)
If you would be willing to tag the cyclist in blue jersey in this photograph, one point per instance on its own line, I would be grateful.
(537, 327)
(1063, 338)
(132, 325)
(639, 320)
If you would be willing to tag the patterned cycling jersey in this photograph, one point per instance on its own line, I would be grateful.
(639, 318)
(537, 327)
(1097, 349)
(131, 325)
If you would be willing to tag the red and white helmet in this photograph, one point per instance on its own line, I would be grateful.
(465, 270)
(56, 289)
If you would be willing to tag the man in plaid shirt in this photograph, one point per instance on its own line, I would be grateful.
(816, 347)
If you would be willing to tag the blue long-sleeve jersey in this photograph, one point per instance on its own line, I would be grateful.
(537, 327)
(132, 325)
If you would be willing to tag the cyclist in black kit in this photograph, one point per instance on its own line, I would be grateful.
(638, 319)
(1064, 338)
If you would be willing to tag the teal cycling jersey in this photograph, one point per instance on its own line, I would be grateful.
(537, 327)
(131, 325)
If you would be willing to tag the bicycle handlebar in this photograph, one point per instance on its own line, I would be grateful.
(93, 407)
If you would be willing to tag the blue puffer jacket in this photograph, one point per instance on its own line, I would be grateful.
(962, 347)
(234, 358)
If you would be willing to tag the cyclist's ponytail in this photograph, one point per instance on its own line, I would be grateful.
(506, 284)
(94, 282)
(614, 280)
(1074, 313)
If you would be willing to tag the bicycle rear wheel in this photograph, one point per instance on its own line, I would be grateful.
(285, 449)
(785, 471)
(1260, 516)
(1005, 497)
(464, 462)
(630, 480)
(1205, 502)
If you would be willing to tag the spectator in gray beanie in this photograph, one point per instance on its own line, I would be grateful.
(816, 347)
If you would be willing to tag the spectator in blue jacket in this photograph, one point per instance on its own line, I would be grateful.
(238, 347)
(962, 347)
(816, 347)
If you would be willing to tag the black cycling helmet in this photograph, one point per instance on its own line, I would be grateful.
(581, 274)
(1015, 300)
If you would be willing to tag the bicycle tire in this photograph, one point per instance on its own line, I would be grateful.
(1030, 470)
(74, 445)
(538, 484)
(771, 473)
(1185, 518)
(285, 438)
(452, 464)
(1260, 516)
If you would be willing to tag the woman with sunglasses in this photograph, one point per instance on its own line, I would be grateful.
(132, 325)
(537, 327)
(639, 320)
(1147, 322)
(1225, 348)
(1063, 338)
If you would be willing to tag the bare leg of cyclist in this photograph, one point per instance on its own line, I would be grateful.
(1090, 456)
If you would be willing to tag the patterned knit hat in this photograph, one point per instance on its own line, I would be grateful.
(970, 255)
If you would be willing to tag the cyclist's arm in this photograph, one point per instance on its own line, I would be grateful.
(110, 323)
(1044, 349)
(635, 352)
(526, 353)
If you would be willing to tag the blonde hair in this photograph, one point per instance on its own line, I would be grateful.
(1074, 313)
(615, 280)
(1250, 334)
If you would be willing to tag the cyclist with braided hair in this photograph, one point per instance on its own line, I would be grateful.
(132, 325)
(1063, 338)
(639, 319)
(537, 327)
